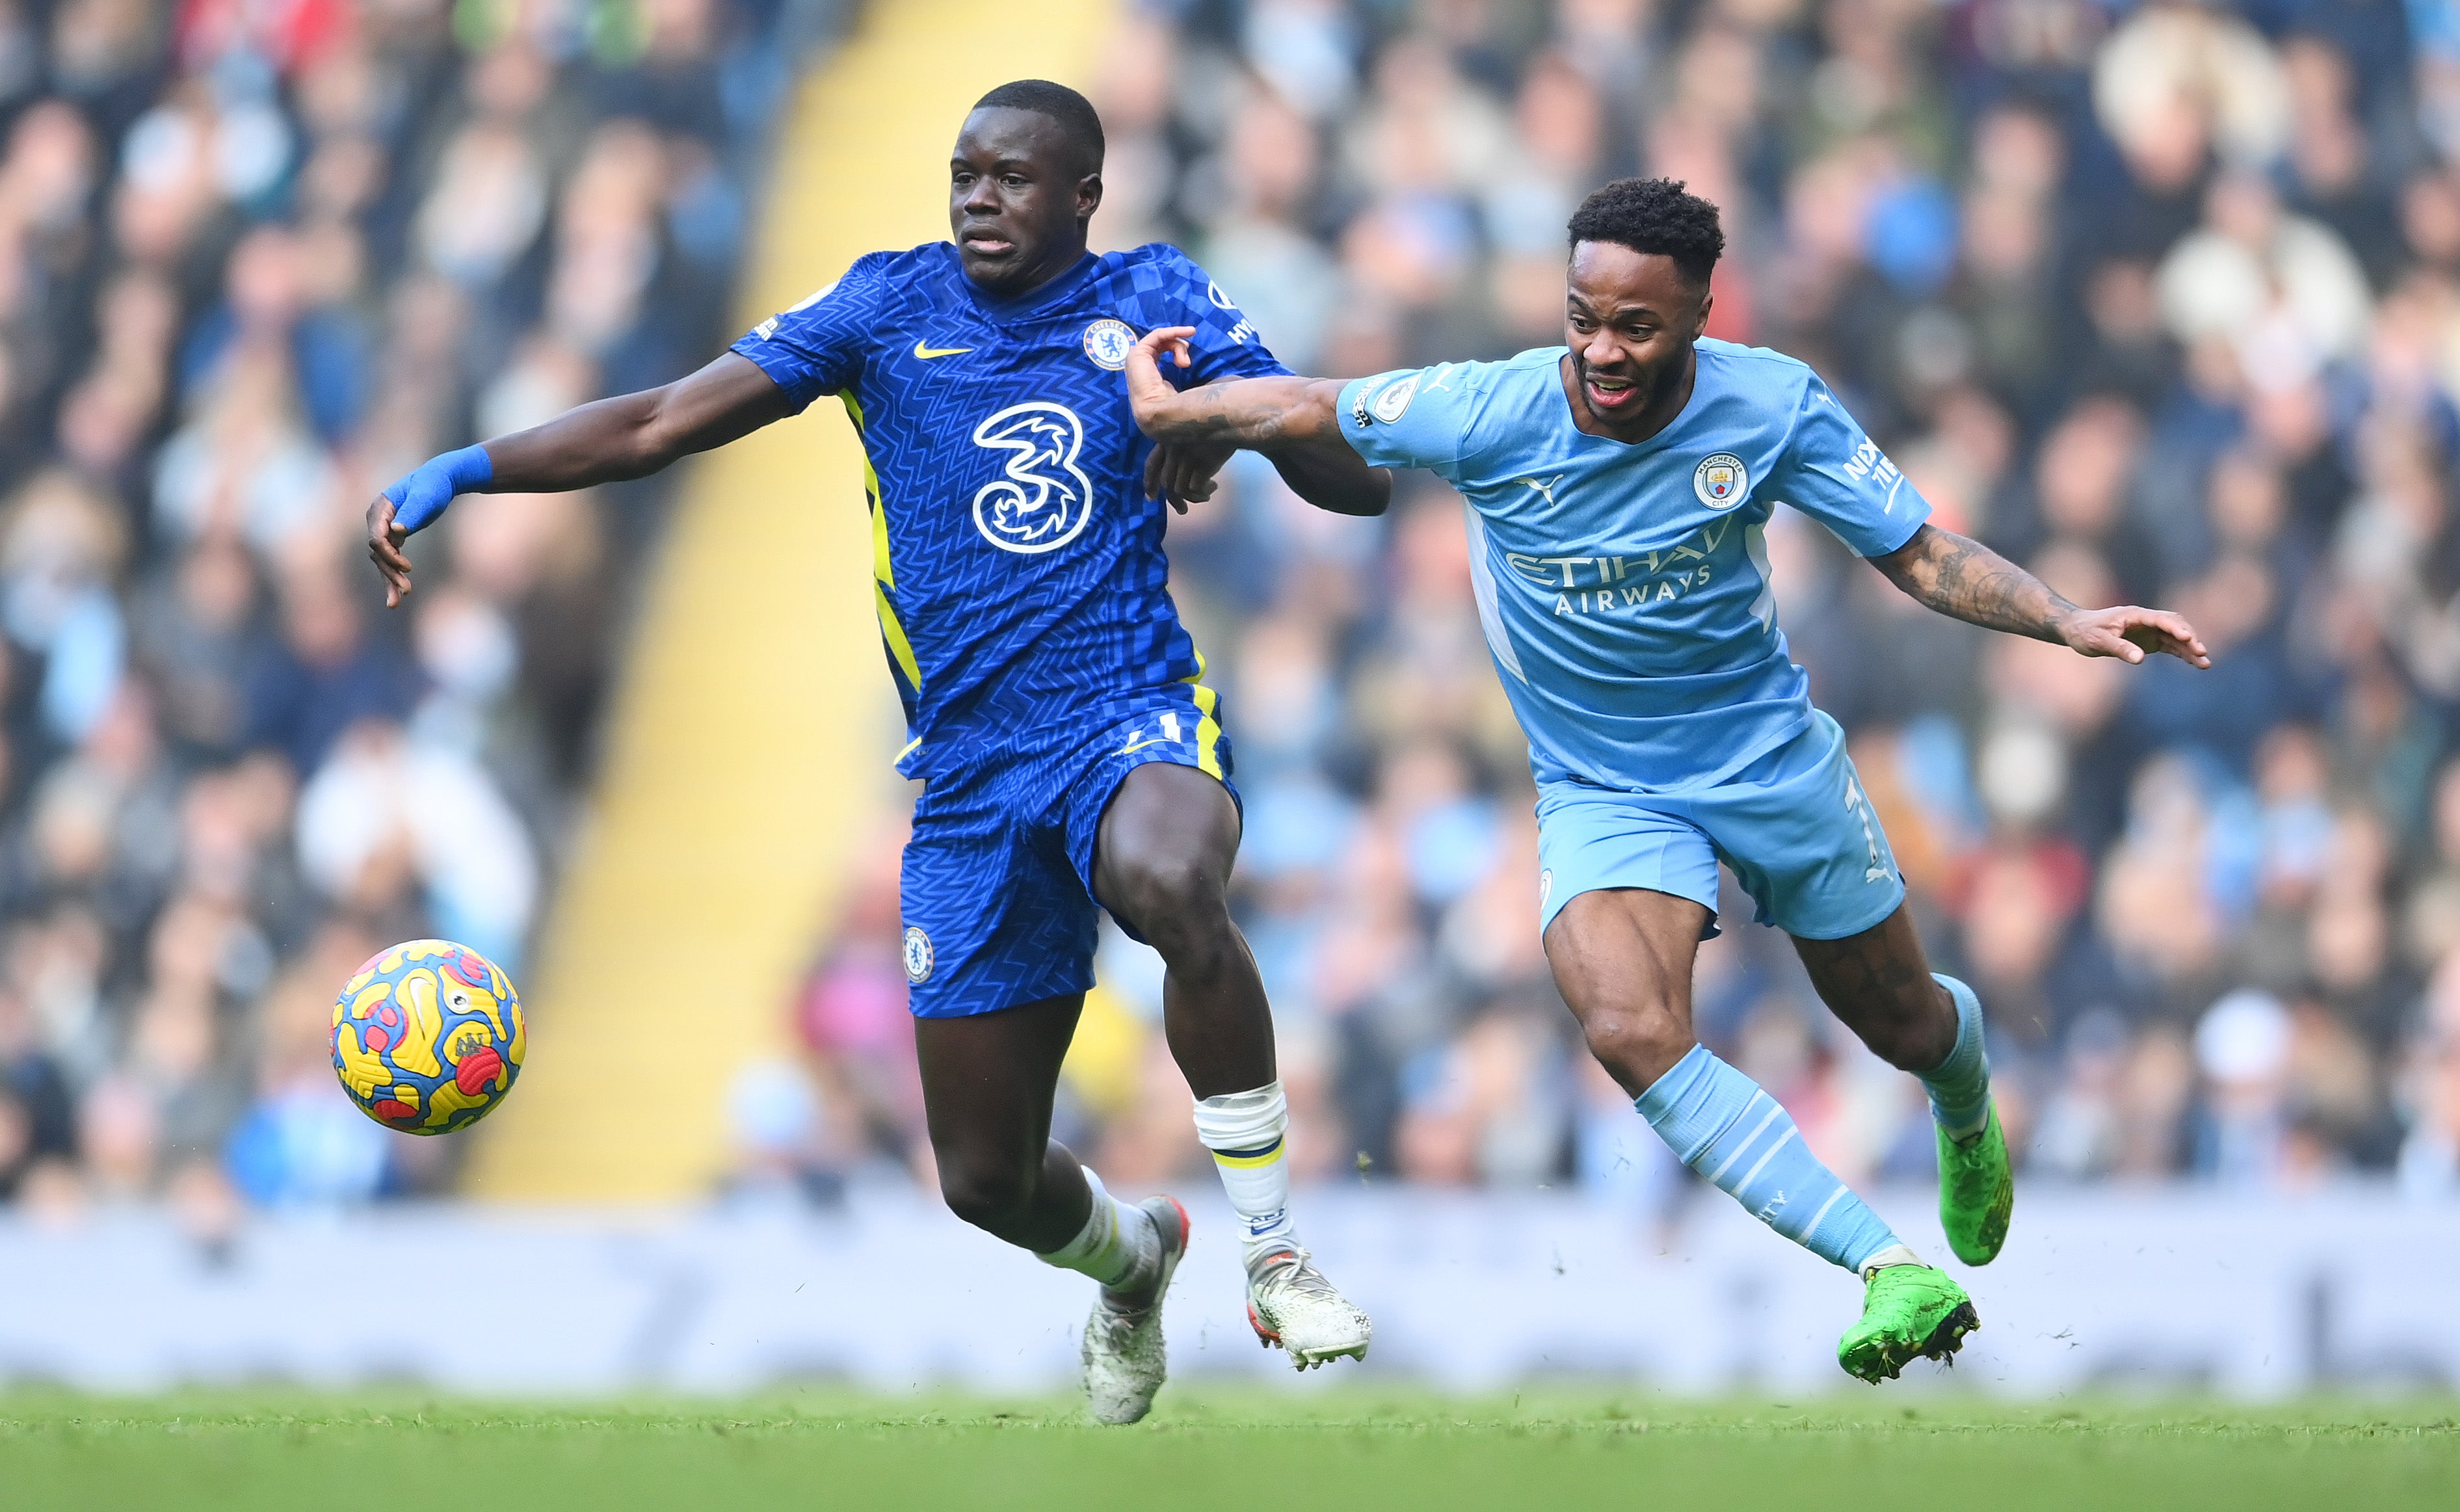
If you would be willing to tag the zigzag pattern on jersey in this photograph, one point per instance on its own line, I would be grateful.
(998, 878)
(1018, 568)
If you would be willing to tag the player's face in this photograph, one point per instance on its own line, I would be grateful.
(1017, 204)
(1631, 319)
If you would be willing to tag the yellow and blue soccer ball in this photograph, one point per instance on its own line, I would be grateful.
(428, 1037)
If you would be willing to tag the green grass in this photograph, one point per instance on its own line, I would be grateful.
(1209, 1448)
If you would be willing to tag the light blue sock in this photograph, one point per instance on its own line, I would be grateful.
(1724, 1126)
(1960, 1086)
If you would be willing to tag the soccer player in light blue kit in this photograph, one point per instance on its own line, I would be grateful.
(1618, 488)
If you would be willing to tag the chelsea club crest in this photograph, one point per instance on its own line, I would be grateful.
(1720, 480)
(918, 954)
(1108, 343)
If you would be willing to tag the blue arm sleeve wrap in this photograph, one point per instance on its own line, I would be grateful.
(421, 496)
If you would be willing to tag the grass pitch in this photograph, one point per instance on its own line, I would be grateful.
(1233, 1450)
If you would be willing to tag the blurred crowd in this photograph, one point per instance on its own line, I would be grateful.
(2160, 299)
(256, 261)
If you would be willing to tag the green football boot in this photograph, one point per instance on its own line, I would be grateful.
(1908, 1312)
(1977, 1191)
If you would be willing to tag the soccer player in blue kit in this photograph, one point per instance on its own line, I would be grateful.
(1617, 491)
(1072, 757)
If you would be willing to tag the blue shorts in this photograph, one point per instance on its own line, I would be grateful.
(997, 890)
(1793, 826)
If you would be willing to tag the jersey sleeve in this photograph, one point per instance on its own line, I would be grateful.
(1226, 345)
(1412, 417)
(1837, 475)
(817, 347)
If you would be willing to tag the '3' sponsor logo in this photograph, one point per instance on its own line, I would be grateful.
(1041, 499)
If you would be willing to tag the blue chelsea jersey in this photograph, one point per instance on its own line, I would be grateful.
(1017, 566)
(1623, 587)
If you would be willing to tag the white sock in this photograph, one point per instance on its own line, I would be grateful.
(1118, 1244)
(1249, 1134)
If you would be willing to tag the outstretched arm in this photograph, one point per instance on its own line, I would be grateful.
(1291, 422)
(1965, 580)
(629, 436)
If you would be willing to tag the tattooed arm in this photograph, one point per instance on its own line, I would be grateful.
(1289, 421)
(1967, 580)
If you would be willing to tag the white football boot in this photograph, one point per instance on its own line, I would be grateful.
(1292, 1307)
(1124, 1360)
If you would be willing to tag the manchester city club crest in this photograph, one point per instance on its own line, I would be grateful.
(917, 955)
(1108, 343)
(1720, 480)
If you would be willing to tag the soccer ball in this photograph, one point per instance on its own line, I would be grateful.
(428, 1037)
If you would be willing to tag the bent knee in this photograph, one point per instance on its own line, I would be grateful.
(1171, 880)
(990, 1196)
(1637, 1044)
(1174, 901)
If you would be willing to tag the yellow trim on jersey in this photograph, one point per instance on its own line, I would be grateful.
(880, 568)
(894, 634)
(884, 574)
(1208, 723)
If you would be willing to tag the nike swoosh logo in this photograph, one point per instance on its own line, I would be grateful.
(1133, 746)
(927, 354)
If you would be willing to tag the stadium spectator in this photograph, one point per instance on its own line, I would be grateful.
(250, 259)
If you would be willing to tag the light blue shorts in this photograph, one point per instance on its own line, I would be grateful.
(1793, 826)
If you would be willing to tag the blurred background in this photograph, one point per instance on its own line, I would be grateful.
(2160, 299)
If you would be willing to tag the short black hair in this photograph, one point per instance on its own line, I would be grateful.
(1654, 215)
(1077, 120)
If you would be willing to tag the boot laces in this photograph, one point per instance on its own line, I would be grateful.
(1292, 1271)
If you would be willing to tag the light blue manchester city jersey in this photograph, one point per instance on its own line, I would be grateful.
(1625, 587)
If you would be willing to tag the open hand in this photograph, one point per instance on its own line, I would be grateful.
(385, 541)
(2131, 634)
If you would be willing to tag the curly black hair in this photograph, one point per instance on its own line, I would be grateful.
(1078, 121)
(1653, 215)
